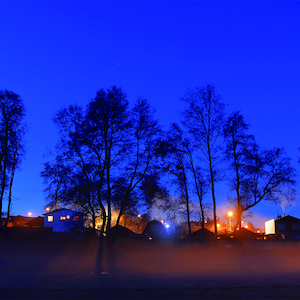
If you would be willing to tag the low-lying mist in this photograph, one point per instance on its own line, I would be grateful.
(219, 258)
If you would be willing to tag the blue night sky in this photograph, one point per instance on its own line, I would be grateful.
(58, 53)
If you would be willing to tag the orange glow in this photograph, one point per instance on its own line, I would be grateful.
(138, 215)
(47, 208)
(246, 226)
(230, 214)
(29, 214)
(218, 225)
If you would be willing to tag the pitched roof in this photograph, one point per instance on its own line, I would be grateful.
(156, 230)
(121, 231)
(202, 233)
(288, 218)
(39, 221)
(244, 233)
(59, 209)
(20, 219)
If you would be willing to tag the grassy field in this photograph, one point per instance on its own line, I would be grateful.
(64, 267)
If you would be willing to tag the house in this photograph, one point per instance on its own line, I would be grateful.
(18, 221)
(287, 227)
(156, 230)
(244, 234)
(121, 232)
(36, 223)
(64, 220)
(202, 235)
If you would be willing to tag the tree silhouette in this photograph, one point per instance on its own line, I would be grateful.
(204, 118)
(12, 130)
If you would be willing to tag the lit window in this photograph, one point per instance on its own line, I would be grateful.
(67, 217)
(62, 218)
(50, 219)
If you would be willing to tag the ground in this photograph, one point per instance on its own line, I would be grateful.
(63, 267)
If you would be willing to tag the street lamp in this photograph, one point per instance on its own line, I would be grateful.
(230, 214)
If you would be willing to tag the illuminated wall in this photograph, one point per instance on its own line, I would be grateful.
(270, 227)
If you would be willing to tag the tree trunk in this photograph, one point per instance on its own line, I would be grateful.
(10, 191)
(187, 202)
(213, 194)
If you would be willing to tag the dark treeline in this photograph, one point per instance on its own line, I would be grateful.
(113, 157)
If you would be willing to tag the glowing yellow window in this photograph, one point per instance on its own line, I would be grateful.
(67, 217)
(62, 218)
(50, 219)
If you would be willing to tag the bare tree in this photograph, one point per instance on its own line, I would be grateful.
(104, 153)
(143, 150)
(12, 130)
(68, 175)
(270, 177)
(186, 147)
(204, 118)
(172, 209)
(108, 130)
(238, 145)
(177, 165)
(254, 174)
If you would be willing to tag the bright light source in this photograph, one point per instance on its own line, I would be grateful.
(138, 215)
(230, 214)
(167, 225)
(162, 222)
(246, 226)
(29, 214)
(257, 231)
(218, 225)
(47, 208)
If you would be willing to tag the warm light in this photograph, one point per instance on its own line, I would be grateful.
(167, 225)
(242, 222)
(230, 214)
(257, 231)
(246, 226)
(29, 214)
(205, 221)
(218, 225)
(47, 208)
(139, 215)
(162, 221)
